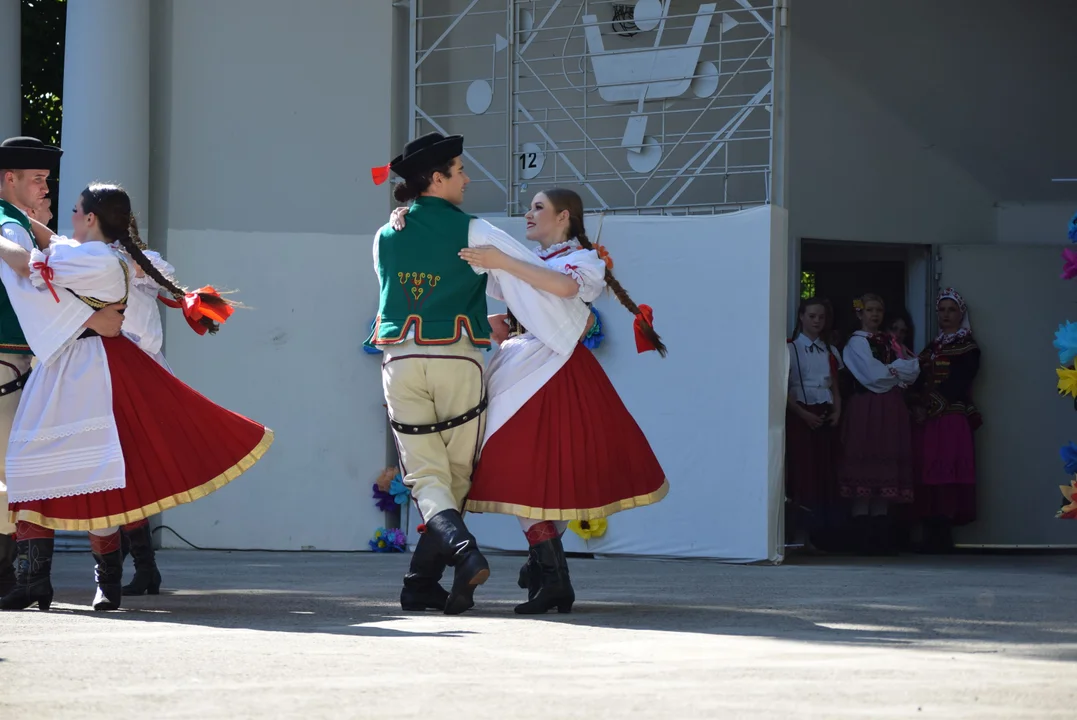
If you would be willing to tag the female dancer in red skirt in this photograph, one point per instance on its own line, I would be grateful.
(104, 435)
(560, 445)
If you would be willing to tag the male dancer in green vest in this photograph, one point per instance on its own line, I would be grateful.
(25, 164)
(433, 328)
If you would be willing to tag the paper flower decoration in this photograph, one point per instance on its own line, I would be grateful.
(385, 479)
(588, 529)
(1069, 510)
(1066, 343)
(858, 304)
(1069, 269)
(1068, 453)
(393, 540)
(400, 492)
(370, 350)
(1067, 381)
(594, 336)
(1073, 228)
(383, 499)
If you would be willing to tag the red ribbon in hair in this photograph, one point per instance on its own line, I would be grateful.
(194, 309)
(380, 174)
(47, 275)
(646, 315)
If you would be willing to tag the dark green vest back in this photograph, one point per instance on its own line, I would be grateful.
(425, 285)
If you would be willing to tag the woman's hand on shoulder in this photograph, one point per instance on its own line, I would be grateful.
(396, 218)
(487, 258)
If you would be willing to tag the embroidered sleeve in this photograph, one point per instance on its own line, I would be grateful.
(586, 268)
(92, 269)
(962, 371)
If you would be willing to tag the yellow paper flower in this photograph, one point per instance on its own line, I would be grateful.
(1067, 381)
(588, 529)
(858, 304)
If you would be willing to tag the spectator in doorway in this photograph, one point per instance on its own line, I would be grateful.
(900, 326)
(946, 492)
(813, 413)
(876, 468)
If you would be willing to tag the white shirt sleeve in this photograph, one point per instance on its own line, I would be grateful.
(837, 356)
(868, 371)
(557, 322)
(377, 240)
(586, 268)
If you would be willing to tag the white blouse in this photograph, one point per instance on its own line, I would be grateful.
(874, 375)
(809, 371)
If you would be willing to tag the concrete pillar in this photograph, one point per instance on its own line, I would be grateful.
(106, 124)
(10, 68)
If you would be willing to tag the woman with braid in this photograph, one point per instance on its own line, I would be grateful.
(142, 324)
(559, 444)
(104, 435)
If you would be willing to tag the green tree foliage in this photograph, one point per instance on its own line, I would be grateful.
(44, 24)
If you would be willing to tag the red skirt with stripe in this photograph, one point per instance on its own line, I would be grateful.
(177, 446)
(572, 452)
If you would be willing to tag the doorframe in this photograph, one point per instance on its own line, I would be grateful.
(921, 276)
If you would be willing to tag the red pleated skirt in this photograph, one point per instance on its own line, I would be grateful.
(810, 460)
(177, 445)
(572, 452)
(876, 448)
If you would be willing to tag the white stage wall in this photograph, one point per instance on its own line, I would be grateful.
(714, 409)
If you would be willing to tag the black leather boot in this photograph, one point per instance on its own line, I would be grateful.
(422, 589)
(33, 571)
(555, 589)
(8, 553)
(461, 552)
(109, 575)
(530, 576)
(147, 579)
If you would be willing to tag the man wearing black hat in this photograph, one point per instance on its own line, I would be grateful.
(432, 326)
(25, 164)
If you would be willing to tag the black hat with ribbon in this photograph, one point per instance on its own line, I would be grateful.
(420, 155)
(27, 153)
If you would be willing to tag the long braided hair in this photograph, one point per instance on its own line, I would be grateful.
(112, 206)
(564, 199)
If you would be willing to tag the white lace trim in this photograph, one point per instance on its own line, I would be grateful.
(545, 253)
(60, 431)
(65, 492)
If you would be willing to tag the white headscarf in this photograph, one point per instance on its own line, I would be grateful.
(945, 338)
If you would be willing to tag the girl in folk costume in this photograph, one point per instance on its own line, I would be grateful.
(104, 435)
(814, 410)
(142, 324)
(559, 445)
(943, 405)
(876, 462)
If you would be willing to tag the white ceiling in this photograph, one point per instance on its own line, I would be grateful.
(992, 84)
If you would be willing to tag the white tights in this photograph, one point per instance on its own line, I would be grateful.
(527, 523)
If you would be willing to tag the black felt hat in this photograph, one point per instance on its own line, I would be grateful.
(422, 154)
(27, 153)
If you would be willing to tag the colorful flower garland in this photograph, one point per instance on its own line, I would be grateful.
(1066, 344)
(391, 540)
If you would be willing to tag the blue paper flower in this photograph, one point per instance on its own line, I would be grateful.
(400, 492)
(594, 336)
(393, 540)
(1069, 457)
(370, 350)
(1066, 343)
(1073, 228)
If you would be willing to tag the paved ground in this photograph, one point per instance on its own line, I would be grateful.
(264, 635)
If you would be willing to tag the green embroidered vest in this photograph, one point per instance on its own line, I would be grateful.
(12, 339)
(425, 286)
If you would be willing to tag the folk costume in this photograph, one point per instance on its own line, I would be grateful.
(104, 435)
(811, 455)
(142, 324)
(946, 494)
(876, 465)
(20, 153)
(432, 327)
(559, 443)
